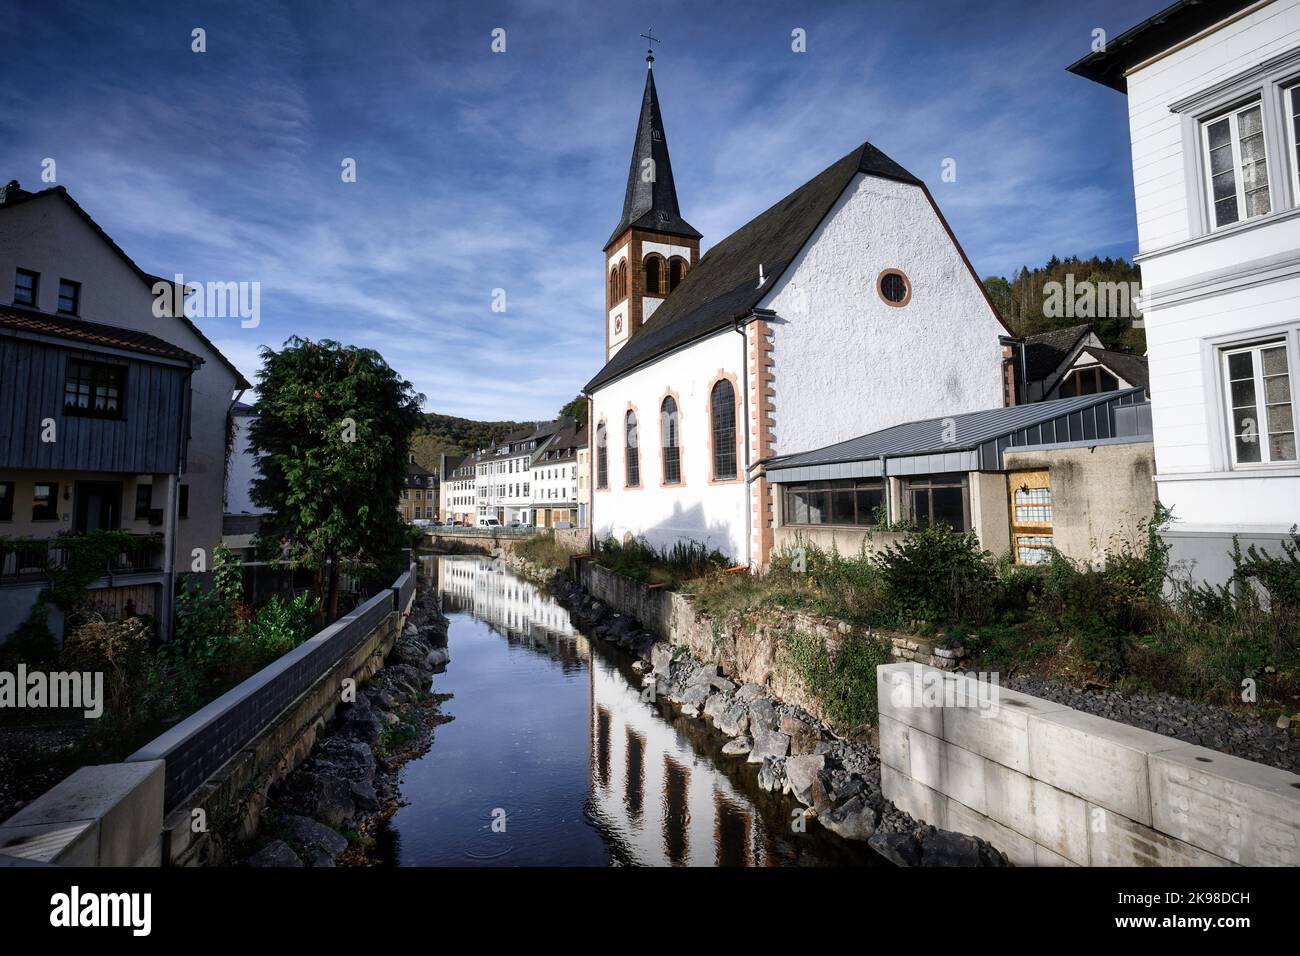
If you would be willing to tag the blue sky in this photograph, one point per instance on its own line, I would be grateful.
(478, 171)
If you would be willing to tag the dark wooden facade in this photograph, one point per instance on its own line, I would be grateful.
(149, 437)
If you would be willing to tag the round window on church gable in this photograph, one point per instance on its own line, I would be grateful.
(894, 288)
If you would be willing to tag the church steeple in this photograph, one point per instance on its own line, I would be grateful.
(652, 248)
(650, 201)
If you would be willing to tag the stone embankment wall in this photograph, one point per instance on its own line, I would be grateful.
(747, 651)
(489, 541)
(1050, 785)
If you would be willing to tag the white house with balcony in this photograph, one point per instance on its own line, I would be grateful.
(1214, 119)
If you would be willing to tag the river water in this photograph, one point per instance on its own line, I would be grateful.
(554, 759)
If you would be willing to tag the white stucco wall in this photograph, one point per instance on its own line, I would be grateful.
(696, 510)
(1206, 291)
(47, 236)
(846, 362)
(242, 472)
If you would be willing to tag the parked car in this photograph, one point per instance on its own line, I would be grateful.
(489, 523)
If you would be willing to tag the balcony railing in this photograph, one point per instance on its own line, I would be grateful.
(33, 559)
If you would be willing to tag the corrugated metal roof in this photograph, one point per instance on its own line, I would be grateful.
(951, 433)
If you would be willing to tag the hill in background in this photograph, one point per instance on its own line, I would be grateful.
(455, 436)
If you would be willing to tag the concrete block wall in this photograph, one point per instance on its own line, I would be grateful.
(1053, 786)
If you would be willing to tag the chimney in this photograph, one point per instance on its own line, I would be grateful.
(12, 191)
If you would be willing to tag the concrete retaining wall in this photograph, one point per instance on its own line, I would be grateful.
(1053, 786)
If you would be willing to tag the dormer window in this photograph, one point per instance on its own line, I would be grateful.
(1235, 165)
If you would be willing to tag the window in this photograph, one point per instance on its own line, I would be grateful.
(653, 270)
(677, 270)
(1033, 506)
(613, 285)
(1293, 126)
(183, 502)
(671, 440)
(846, 501)
(894, 288)
(93, 389)
(602, 458)
(45, 501)
(6, 501)
(26, 287)
(1033, 548)
(622, 280)
(632, 450)
(938, 499)
(1236, 167)
(143, 500)
(1260, 417)
(1088, 381)
(69, 296)
(722, 404)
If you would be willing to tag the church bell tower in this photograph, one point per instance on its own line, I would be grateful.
(652, 248)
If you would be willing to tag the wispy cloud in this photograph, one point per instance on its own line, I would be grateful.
(479, 171)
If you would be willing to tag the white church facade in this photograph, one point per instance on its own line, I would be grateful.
(846, 307)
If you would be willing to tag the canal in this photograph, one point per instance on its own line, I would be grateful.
(554, 759)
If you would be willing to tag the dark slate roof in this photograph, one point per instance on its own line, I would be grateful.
(1131, 368)
(927, 437)
(651, 205)
(1043, 353)
(13, 195)
(93, 333)
(724, 286)
(1172, 25)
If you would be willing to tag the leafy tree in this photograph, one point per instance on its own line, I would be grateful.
(576, 409)
(331, 436)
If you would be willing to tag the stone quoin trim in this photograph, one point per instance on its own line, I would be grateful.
(681, 450)
(759, 344)
(907, 286)
(640, 459)
(738, 400)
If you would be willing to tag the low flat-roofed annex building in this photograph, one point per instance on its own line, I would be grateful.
(1073, 474)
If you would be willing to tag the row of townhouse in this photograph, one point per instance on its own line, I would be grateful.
(114, 414)
(531, 477)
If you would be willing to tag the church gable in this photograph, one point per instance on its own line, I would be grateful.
(879, 315)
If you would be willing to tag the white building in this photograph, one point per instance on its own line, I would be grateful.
(846, 307)
(554, 469)
(1214, 119)
(457, 497)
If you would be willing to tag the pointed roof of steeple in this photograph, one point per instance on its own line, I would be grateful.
(651, 205)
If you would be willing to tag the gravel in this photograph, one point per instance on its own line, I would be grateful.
(1228, 731)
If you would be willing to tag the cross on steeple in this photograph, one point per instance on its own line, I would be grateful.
(650, 52)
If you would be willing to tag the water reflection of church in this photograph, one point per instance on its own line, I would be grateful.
(655, 799)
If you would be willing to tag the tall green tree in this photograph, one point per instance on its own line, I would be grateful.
(576, 409)
(333, 426)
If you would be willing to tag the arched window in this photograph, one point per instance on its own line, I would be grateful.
(602, 457)
(677, 269)
(722, 408)
(653, 273)
(632, 450)
(671, 439)
(613, 285)
(622, 279)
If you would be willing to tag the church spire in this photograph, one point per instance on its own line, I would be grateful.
(650, 201)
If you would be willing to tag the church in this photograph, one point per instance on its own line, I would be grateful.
(845, 307)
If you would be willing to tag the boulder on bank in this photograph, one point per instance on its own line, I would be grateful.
(275, 853)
